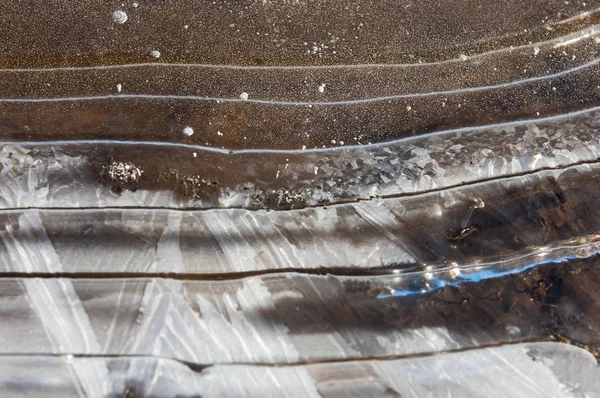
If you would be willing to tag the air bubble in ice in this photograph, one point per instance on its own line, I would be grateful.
(119, 17)
(188, 131)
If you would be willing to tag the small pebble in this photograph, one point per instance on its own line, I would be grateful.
(188, 131)
(119, 87)
(244, 96)
(155, 54)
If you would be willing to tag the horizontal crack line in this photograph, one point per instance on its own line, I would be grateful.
(338, 203)
(308, 151)
(307, 362)
(558, 40)
(303, 103)
(222, 276)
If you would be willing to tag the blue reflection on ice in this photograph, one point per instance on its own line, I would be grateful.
(469, 275)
